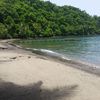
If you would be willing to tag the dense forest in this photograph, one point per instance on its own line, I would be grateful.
(36, 18)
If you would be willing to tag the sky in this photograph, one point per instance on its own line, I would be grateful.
(92, 7)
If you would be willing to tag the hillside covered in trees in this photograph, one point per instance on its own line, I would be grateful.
(36, 18)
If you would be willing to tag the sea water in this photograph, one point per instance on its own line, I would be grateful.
(85, 49)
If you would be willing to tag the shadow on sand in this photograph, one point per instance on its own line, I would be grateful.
(10, 91)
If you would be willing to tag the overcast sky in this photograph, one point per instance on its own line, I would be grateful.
(90, 6)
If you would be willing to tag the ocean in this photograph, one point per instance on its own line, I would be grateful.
(84, 49)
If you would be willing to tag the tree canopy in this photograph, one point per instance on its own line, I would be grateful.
(36, 18)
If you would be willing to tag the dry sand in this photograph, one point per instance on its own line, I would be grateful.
(20, 71)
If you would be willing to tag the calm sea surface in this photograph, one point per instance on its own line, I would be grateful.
(85, 49)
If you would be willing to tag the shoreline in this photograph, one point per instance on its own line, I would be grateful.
(31, 76)
(83, 66)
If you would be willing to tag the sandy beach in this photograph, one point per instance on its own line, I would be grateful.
(27, 76)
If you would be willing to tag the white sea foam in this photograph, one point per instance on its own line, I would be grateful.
(47, 51)
(51, 53)
(66, 58)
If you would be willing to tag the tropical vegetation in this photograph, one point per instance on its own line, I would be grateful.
(36, 18)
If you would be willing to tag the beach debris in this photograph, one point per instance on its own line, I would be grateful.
(13, 58)
(29, 56)
(3, 47)
(20, 56)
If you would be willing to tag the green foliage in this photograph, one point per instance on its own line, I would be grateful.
(3, 31)
(36, 18)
